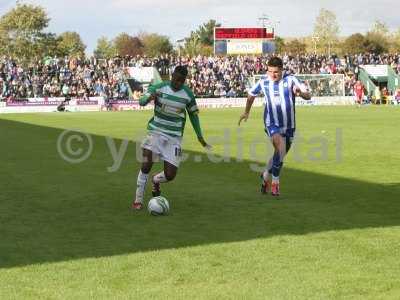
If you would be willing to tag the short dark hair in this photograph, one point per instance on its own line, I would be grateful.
(275, 62)
(181, 70)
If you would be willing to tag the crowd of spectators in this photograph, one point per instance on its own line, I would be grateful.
(215, 76)
(56, 77)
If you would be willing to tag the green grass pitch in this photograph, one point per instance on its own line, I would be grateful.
(66, 231)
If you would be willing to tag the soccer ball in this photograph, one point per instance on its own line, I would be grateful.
(158, 206)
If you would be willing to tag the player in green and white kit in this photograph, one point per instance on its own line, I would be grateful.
(171, 101)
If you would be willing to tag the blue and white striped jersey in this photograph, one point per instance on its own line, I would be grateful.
(279, 100)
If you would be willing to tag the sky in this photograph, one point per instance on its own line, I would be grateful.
(177, 18)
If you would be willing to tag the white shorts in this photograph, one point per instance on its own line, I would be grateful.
(164, 147)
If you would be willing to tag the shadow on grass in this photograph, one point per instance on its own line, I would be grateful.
(54, 211)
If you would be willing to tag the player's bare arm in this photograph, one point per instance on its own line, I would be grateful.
(245, 115)
(194, 119)
(150, 96)
(305, 95)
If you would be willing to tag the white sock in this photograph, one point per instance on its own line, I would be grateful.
(141, 185)
(266, 175)
(275, 179)
(160, 178)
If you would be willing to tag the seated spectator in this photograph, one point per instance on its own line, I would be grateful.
(397, 97)
(385, 95)
(231, 93)
(377, 96)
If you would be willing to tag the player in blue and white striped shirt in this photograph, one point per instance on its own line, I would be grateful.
(280, 92)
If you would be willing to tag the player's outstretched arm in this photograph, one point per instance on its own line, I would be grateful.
(301, 90)
(194, 119)
(245, 115)
(147, 98)
(151, 94)
(306, 95)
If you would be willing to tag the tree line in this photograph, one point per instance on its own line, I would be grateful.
(23, 35)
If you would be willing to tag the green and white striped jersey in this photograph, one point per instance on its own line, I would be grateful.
(170, 109)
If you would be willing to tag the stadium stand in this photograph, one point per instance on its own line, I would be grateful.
(216, 76)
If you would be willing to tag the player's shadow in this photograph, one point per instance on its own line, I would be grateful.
(51, 210)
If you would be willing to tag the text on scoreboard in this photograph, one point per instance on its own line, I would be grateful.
(223, 33)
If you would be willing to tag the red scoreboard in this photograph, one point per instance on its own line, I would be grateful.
(243, 40)
(223, 33)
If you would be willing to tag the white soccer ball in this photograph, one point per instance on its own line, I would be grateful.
(158, 206)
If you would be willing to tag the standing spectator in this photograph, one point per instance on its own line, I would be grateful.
(377, 95)
(359, 92)
(396, 97)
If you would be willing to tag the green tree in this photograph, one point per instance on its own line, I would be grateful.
(21, 31)
(377, 39)
(105, 48)
(396, 41)
(355, 43)
(192, 45)
(206, 32)
(295, 47)
(155, 44)
(380, 28)
(70, 44)
(326, 28)
(128, 45)
(201, 41)
(279, 44)
(47, 45)
(376, 43)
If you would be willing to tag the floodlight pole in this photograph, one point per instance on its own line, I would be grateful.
(264, 19)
